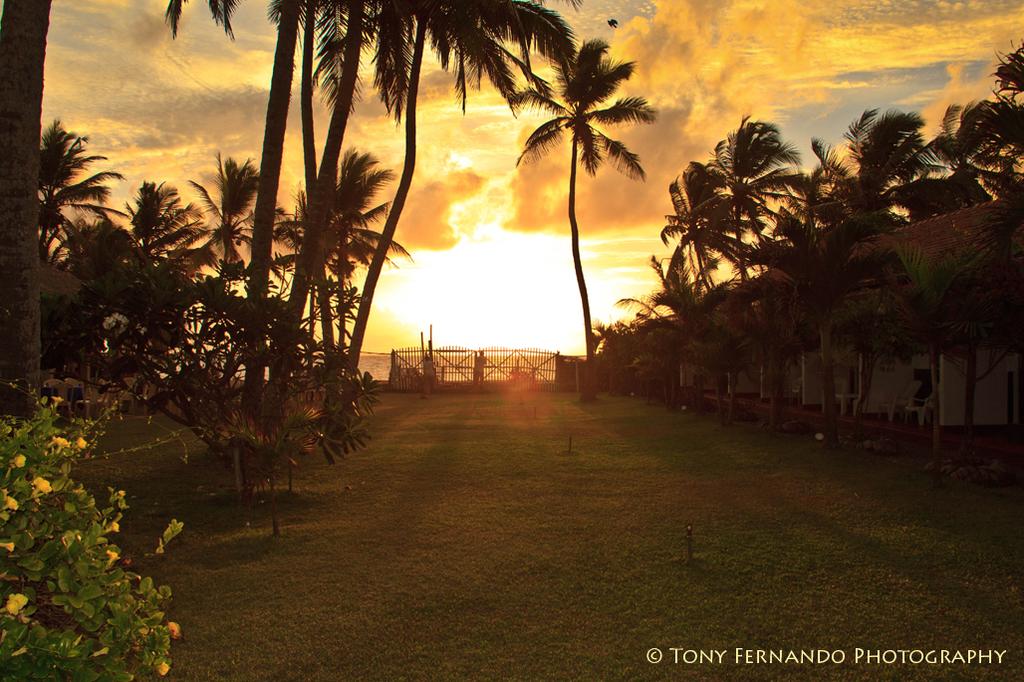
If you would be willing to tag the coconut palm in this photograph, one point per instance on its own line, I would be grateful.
(162, 226)
(23, 29)
(1002, 130)
(352, 239)
(697, 222)
(98, 247)
(769, 317)
(472, 39)
(755, 167)
(352, 242)
(585, 82)
(888, 162)
(286, 13)
(63, 161)
(924, 302)
(824, 265)
(230, 214)
(816, 196)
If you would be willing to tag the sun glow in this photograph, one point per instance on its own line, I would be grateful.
(494, 288)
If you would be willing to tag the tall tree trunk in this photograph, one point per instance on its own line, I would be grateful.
(273, 149)
(867, 371)
(270, 179)
(306, 95)
(698, 391)
(934, 355)
(731, 415)
(587, 388)
(775, 385)
(380, 255)
(970, 388)
(323, 293)
(343, 311)
(311, 256)
(721, 386)
(23, 30)
(828, 383)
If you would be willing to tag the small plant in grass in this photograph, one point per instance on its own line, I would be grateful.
(68, 609)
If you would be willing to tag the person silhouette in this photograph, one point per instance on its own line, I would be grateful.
(479, 362)
(428, 374)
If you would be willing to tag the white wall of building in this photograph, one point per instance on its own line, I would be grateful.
(890, 379)
(991, 400)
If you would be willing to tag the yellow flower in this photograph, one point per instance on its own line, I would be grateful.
(114, 527)
(9, 546)
(15, 603)
(174, 629)
(81, 444)
(10, 503)
(112, 555)
(18, 461)
(163, 668)
(41, 485)
(60, 442)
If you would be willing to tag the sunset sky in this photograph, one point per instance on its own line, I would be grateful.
(490, 241)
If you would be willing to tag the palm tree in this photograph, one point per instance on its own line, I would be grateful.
(62, 161)
(471, 38)
(586, 81)
(697, 222)
(755, 168)
(230, 215)
(353, 242)
(925, 305)
(769, 317)
(824, 265)
(682, 304)
(286, 13)
(161, 226)
(345, 26)
(96, 248)
(889, 160)
(1001, 127)
(23, 29)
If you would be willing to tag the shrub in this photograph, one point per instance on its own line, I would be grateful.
(68, 608)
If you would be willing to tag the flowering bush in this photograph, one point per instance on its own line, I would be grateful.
(68, 609)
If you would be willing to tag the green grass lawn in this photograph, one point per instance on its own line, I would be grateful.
(466, 543)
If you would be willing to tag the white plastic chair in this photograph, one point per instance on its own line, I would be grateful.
(55, 388)
(78, 397)
(904, 398)
(923, 410)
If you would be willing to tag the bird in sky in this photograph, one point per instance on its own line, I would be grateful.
(614, 23)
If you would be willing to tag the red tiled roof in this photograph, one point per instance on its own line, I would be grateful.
(57, 282)
(947, 233)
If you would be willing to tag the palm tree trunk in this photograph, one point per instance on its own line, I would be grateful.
(23, 30)
(828, 383)
(273, 149)
(587, 388)
(306, 95)
(311, 255)
(261, 249)
(343, 284)
(774, 390)
(867, 370)
(721, 385)
(698, 391)
(970, 387)
(323, 293)
(934, 354)
(731, 386)
(380, 255)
